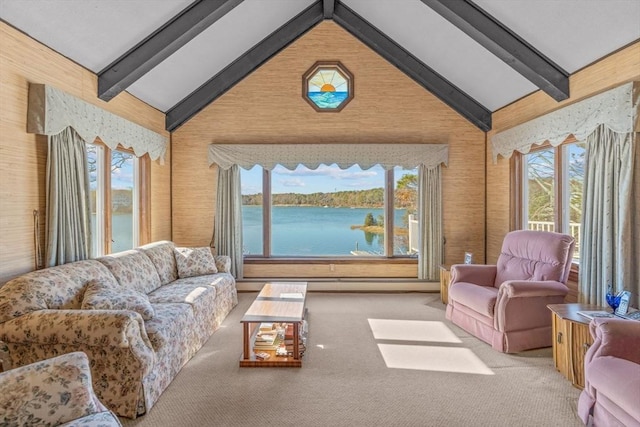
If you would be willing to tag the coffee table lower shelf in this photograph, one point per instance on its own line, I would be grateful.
(272, 362)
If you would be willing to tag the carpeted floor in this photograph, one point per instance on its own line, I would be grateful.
(443, 376)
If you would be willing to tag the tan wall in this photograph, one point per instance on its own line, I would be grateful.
(23, 155)
(616, 69)
(388, 108)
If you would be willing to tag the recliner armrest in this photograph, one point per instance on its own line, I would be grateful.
(528, 288)
(478, 274)
(615, 337)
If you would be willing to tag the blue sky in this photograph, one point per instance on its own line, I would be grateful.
(325, 179)
(122, 178)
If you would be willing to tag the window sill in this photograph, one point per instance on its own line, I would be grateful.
(331, 260)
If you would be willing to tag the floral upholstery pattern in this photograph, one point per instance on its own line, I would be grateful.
(194, 262)
(161, 255)
(99, 296)
(132, 360)
(133, 270)
(52, 392)
(223, 263)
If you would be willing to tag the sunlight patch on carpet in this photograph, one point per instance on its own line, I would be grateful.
(412, 330)
(432, 358)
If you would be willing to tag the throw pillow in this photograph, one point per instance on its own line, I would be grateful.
(98, 296)
(194, 262)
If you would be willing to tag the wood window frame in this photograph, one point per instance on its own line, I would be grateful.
(517, 200)
(143, 192)
(267, 257)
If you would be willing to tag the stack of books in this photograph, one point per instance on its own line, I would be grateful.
(266, 339)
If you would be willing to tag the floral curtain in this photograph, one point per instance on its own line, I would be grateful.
(227, 228)
(609, 245)
(68, 211)
(52, 110)
(616, 109)
(431, 251)
(313, 155)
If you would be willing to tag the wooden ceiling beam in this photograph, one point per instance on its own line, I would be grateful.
(412, 66)
(329, 6)
(505, 44)
(244, 65)
(124, 71)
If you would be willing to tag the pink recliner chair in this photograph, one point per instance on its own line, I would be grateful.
(611, 395)
(505, 305)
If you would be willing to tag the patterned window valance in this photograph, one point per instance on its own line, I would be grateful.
(52, 110)
(313, 155)
(617, 109)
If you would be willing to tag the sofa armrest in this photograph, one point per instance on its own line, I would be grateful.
(51, 392)
(478, 274)
(615, 337)
(527, 288)
(114, 328)
(223, 263)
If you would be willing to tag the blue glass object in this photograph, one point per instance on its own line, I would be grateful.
(612, 299)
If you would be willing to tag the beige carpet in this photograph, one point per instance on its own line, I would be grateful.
(442, 375)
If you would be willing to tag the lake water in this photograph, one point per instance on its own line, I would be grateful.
(314, 231)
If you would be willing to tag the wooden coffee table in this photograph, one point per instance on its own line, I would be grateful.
(282, 302)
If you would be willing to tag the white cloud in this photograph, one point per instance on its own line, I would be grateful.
(295, 182)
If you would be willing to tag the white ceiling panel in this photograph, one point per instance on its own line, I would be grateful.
(445, 49)
(93, 33)
(572, 33)
(212, 50)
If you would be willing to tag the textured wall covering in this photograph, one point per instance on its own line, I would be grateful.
(388, 109)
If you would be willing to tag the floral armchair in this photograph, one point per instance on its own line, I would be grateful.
(52, 392)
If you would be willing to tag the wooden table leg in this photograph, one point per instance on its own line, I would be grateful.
(296, 340)
(245, 354)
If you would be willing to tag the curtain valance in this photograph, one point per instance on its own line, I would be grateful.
(617, 109)
(52, 110)
(313, 155)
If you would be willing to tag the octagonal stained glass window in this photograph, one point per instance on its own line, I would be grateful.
(327, 86)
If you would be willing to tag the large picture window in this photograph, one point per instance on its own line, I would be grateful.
(550, 190)
(115, 182)
(328, 212)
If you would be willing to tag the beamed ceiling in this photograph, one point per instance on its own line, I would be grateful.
(476, 56)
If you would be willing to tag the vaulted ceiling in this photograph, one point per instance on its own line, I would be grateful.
(180, 55)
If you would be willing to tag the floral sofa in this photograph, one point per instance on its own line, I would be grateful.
(53, 392)
(139, 315)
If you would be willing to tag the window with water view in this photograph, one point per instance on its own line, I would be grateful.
(114, 199)
(329, 212)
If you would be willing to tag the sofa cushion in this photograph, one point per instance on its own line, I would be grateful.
(187, 293)
(161, 255)
(481, 299)
(133, 270)
(169, 325)
(194, 262)
(99, 296)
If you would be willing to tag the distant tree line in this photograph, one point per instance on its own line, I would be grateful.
(405, 197)
(373, 198)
